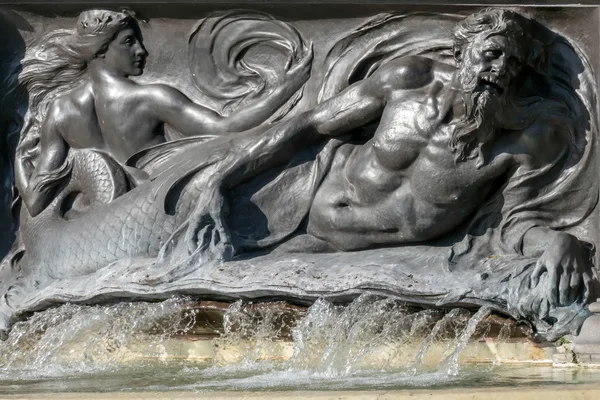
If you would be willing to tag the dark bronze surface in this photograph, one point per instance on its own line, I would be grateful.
(441, 157)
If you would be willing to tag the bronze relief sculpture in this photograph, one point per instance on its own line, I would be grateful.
(441, 159)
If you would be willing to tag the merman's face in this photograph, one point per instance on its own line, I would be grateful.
(490, 64)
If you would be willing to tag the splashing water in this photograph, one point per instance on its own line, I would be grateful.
(371, 342)
(451, 363)
(85, 339)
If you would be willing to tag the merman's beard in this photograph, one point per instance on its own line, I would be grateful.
(478, 93)
(484, 104)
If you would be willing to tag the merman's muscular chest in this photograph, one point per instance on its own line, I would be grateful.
(411, 148)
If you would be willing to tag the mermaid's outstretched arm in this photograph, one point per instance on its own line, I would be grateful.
(175, 109)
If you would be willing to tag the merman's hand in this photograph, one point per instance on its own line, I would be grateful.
(570, 272)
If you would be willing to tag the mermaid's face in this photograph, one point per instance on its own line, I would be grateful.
(126, 54)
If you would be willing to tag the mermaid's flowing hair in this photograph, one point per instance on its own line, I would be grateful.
(56, 64)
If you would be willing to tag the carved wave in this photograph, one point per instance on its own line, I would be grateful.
(217, 46)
